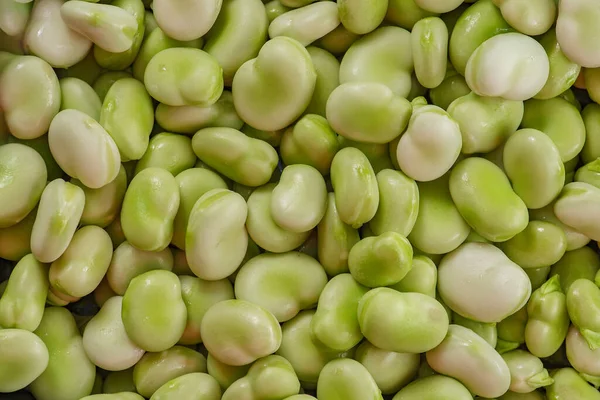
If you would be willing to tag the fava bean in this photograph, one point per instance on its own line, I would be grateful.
(548, 321)
(468, 358)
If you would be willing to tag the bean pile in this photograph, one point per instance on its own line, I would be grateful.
(299, 199)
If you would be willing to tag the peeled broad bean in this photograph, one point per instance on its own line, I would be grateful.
(527, 371)
(96, 161)
(298, 347)
(258, 86)
(307, 24)
(390, 370)
(479, 282)
(510, 65)
(156, 369)
(576, 31)
(369, 60)
(558, 119)
(108, 26)
(465, 356)
(346, 379)
(402, 322)
(563, 72)
(193, 386)
(243, 159)
(485, 122)
(478, 23)
(22, 303)
(484, 197)
(548, 321)
(79, 95)
(299, 200)
(69, 374)
(335, 324)
(127, 116)
(436, 387)
(439, 227)
(584, 359)
(541, 244)
(430, 145)
(23, 175)
(429, 38)
(105, 340)
(398, 208)
(237, 35)
(283, 284)
(58, 216)
(46, 25)
(149, 208)
(360, 18)
(335, 240)
(14, 16)
(29, 96)
(79, 270)
(354, 186)
(380, 260)
(184, 76)
(154, 313)
(271, 376)
(574, 207)
(263, 229)
(128, 262)
(186, 20)
(568, 384)
(367, 112)
(583, 302)
(532, 146)
(531, 18)
(24, 359)
(237, 332)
